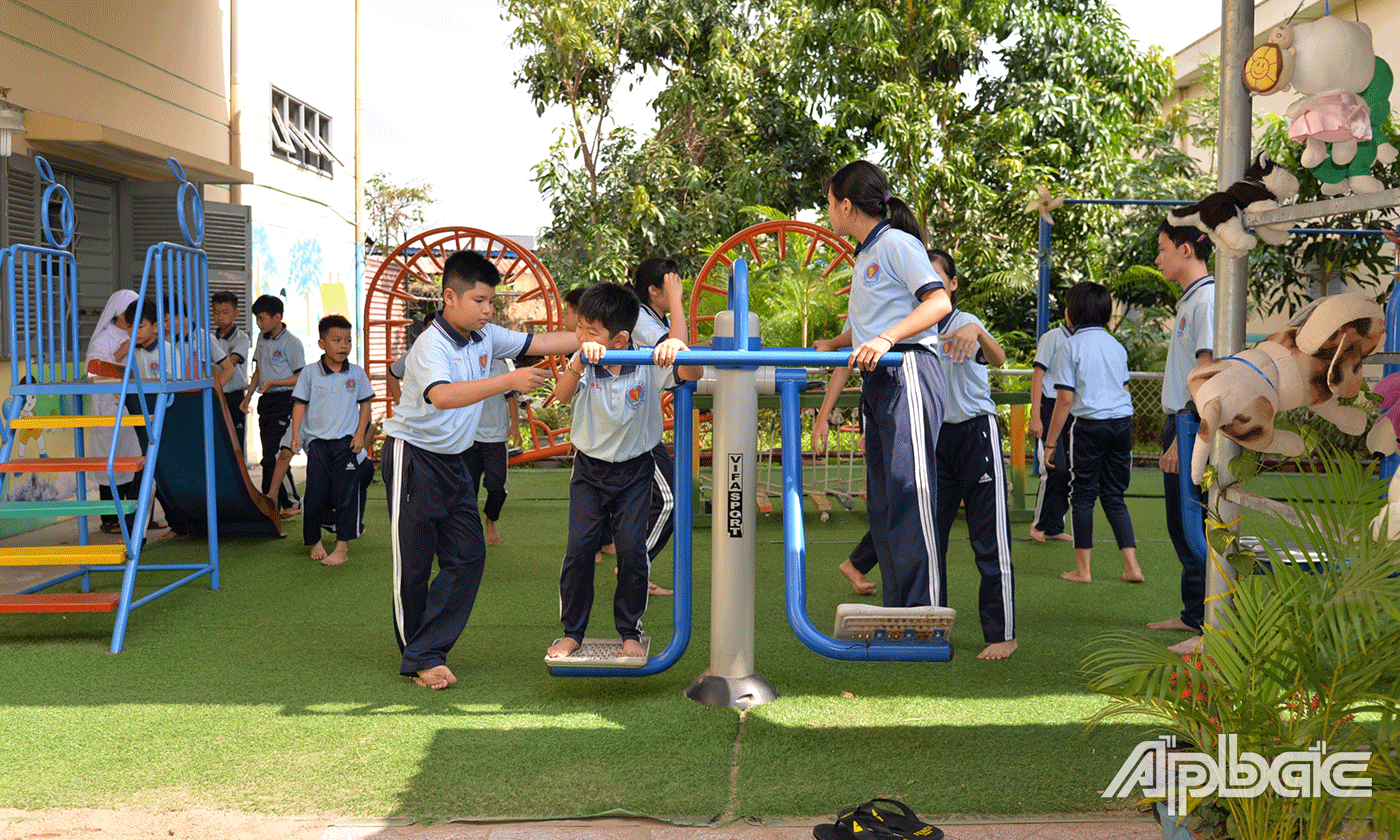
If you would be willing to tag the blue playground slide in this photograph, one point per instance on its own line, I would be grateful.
(243, 511)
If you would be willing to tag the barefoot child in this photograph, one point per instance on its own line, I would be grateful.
(970, 471)
(1091, 380)
(279, 358)
(432, 509)
(1052, 498)
(487, 458)
(330, 414)
(616, 424)
(862, 558)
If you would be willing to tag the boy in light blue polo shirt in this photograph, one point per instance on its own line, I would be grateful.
(279, 358)
(617, 421)
(232, 341)
(1090, 372)
(330, 415)
(432, 508)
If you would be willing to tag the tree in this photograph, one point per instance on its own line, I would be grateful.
(395, 210)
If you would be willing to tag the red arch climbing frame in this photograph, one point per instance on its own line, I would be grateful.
(421, 258)
(759, 244)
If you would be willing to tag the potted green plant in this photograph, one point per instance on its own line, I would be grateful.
(1305, 662)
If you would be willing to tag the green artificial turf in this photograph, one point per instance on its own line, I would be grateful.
(280, 692)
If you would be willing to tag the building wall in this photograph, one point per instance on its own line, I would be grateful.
(158, 69)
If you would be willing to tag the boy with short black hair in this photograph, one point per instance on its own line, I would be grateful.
(232, 341)
(330, 414)
(616, 423)
(432, 509)
(279, 358)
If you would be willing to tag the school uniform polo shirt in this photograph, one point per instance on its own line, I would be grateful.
(332, 399)
(441, 356)
(969, 391)
(494, 426)
(892, 273)
(1192, 333)
(396, 367)
(145, 359)
(1093, 365)
(236, 343)
(652, 328)
(618, 416)
(1045, 355)
(279, 357)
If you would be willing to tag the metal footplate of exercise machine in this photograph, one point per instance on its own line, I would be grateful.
(867, 623)
(601, 653)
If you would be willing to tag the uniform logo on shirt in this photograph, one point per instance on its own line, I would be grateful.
(350, 385)
(635, 394)
(278, 354)
(483, 360)
(1181, 328)
(872, 274)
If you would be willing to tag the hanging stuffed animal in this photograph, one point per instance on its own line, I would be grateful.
(1312, 363)
(1347, 100)
(1384, 439)
(1264, 186)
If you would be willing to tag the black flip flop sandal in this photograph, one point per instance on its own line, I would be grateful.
(855, 824)
(903, 823)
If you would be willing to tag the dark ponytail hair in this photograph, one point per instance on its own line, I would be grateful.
(868, 188)
(651, 273)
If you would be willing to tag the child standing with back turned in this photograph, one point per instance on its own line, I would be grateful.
(1091, 381)
(330, 414)
(616, 424)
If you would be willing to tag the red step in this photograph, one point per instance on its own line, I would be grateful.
(44, 465)
(60, 602)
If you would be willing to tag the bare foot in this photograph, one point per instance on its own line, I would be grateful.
(998, 650)
(1133, 576)
(1040, 536)
(610, 548)
(859, 582)
(632, 647)
(290, 511)
(340, 555)
(653, 589)
(1171, 624)
(436, 678)
(318, 551)
(562, 648)
(1076, 577)
(493, 537)
(1188, 647)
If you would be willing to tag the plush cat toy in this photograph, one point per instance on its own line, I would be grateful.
(1264, 185)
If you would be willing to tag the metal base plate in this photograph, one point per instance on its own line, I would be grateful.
(867, 623)
(601, 653)
(734, 692)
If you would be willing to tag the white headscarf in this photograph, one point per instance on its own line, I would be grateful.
(107, 336)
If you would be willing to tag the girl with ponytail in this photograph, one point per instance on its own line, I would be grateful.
(897, 300)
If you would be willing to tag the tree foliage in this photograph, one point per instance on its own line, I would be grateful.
(394, 209)
(968, 104)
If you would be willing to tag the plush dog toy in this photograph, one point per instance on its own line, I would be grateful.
(1264, 185)
(1313, 362)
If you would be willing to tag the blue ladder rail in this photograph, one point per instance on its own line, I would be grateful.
(41, 283)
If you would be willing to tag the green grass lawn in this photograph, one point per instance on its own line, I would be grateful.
(280, 692)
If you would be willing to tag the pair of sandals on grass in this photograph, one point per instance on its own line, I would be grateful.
(873, 821)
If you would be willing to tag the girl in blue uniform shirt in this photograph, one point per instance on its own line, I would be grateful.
(897, 299)
(1090, 372)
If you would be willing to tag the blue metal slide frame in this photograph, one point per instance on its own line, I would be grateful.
(175, 276)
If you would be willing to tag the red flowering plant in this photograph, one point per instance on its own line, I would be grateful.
(1298, 672)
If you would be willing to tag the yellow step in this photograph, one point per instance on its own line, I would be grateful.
(73, 421)
(63, 555)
